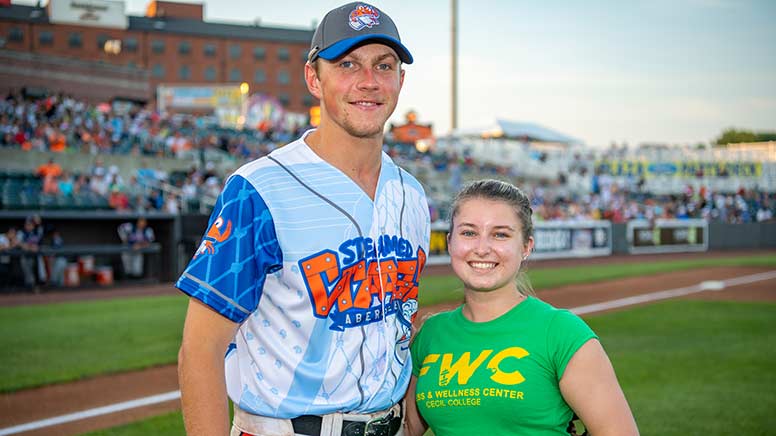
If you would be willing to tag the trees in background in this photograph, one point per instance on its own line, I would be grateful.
(734, 136)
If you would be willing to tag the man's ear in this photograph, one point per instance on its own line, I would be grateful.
(311, 79)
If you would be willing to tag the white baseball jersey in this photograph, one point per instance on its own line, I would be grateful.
(322, 279)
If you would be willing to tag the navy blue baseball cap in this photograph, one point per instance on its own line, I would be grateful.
(351, 25)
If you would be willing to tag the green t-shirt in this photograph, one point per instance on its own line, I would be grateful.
(498, 377)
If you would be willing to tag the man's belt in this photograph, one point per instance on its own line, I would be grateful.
(387, 425)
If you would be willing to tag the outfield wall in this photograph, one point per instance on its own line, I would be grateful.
(179, 236)
(735, 236)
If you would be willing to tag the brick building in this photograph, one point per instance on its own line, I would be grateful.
(92, 49)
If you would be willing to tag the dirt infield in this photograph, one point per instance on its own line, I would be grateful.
(49, 401)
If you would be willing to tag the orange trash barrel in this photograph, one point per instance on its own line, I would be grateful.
(104, 275)
(86, 265)
(72, 276)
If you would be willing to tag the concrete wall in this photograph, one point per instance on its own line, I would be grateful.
(15, 159)
(738, 236)
(619, 239)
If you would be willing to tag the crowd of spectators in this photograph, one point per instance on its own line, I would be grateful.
(102, 187)
(618, 204)
(59, 123)
(609, 198)
(62, 124)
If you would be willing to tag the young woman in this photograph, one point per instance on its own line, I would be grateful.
(506, 363)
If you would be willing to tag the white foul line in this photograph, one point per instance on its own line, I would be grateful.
(118, 407)
(174, 395)
(671, 293)
(750, 279)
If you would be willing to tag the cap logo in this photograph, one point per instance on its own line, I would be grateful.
(363, 16)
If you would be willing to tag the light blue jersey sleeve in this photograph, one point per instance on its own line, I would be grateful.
(237, 252)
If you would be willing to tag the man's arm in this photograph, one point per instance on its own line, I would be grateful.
(206, 335)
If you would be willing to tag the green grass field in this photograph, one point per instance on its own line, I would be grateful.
(54, 343)
(696, 367)
(440, 289)
(687, 367)
(44, 344)
(170, 424)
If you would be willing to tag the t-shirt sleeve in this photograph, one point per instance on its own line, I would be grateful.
(567, 333)
(237, 252)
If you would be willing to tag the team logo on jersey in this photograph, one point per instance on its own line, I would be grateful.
(216, 234)
(363, 16)
(450, 382)
(364, 282)
(463, 367)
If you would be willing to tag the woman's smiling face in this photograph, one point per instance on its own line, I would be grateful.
(486, 245)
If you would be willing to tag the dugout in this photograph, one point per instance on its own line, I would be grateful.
(98, 230)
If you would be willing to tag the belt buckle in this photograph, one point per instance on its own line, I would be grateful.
(379, 426)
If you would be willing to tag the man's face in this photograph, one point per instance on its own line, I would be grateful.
(359, 91)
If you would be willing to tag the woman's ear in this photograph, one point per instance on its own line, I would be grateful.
(528, 248)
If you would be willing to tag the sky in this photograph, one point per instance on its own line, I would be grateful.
(602, 71)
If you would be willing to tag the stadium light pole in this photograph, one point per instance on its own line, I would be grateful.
(454, 65)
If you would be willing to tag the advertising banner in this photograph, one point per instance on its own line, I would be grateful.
(199, 97)
(96, 13)
(561, 239)
(667, 236)
(225, 101)
(553, 240)
(685, 170)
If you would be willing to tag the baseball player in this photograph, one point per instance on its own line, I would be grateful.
(304, 288)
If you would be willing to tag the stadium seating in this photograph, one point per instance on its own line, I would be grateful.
(145, 162)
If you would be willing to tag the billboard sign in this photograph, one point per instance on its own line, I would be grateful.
(686, 170)
(562, 239)
(553, 240)
(95, 13)
(224, 101)
(198, 97)
(667, 236)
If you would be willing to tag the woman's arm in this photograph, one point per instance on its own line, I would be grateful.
(590, 387)
(413, 422)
